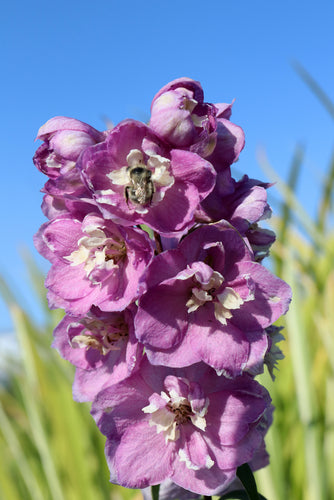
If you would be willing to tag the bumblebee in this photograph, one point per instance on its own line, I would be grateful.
(140, 190)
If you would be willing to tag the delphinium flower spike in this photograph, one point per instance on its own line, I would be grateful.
(156, 255)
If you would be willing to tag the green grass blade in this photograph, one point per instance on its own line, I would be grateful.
(286, 208)
(314, 87)
(10, 436)
(30, 389)
(326, 203)
(298, 210)
(329, 427)
(306, 398)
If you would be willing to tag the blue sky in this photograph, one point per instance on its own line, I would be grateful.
(88, 60)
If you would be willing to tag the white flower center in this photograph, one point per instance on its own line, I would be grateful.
(173, 411)
(228, 300)
(202, 292)
(52, 161)
(101, 335)
(97, 250)
(224, 301)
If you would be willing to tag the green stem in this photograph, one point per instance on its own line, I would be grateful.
(155, 491)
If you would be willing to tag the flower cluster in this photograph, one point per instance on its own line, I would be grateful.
(156, 257)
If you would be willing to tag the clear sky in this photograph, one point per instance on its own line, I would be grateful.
(91, 59)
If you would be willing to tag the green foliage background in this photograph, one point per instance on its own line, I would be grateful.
(50, 448)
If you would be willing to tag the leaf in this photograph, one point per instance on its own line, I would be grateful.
(155, 491)
(245, 475)
(235, 495)
(238, 495)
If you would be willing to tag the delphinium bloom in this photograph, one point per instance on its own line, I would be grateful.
(156, 255)
(102, 346)
(213, 294)
(180, 115)
(94, 263)
(189, 425)
(64, 140)
(135, 178)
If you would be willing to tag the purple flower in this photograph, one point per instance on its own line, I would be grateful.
(244, 202)
(186, 425)
(102, 346)
(171, 491)
(136, 179)
(68, 195)
(76, 205)
(260, 240)
(64, 139)
(93, 263)
(205, 300)
(180, 117)
(230, 139)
